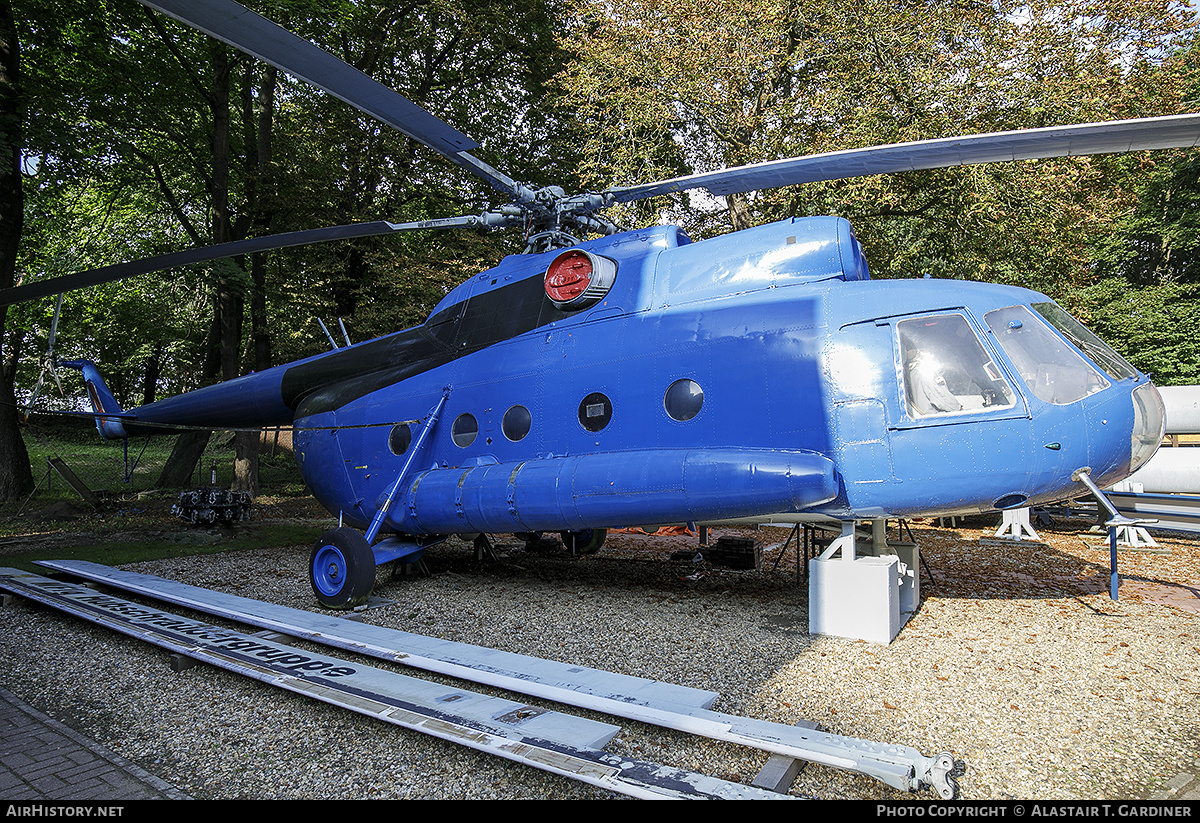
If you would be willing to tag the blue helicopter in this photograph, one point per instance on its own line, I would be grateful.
(641, 378)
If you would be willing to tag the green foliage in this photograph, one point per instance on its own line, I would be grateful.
(120, 133)
(1146, 298)
(665, 89)
(1158, 240)
(80, 223)
(118, 552)
(1156, 327)
(482, 66)
(697, 85)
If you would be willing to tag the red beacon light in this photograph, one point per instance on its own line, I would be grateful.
(577, 279)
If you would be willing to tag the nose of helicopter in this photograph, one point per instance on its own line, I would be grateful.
(1111, 433)
(1149, 423)
(1131, 445)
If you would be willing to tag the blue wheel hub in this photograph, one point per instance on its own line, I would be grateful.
(329, 570)
(342, 569)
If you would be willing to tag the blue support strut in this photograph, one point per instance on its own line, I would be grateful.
(1114, 580)
(382, 512)
(1115, 520)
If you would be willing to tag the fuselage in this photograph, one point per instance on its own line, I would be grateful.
(759, 374)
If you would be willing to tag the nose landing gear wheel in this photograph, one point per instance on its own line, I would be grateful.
(341, 569)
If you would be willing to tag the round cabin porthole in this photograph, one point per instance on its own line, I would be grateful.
(595, 411)
(464, 430)
(516, 423)
(400, 438)
(683, 400)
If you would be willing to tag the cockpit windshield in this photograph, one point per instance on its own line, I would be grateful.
(1054, 370)
(946, 368)
(1101, 353)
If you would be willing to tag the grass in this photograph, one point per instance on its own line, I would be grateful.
(135, 522)
(135, 466)
(118, 552)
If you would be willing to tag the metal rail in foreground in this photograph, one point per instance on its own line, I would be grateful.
(548, 740)
(663, 704)
(1171, 512)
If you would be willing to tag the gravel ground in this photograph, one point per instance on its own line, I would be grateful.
(1017, 662)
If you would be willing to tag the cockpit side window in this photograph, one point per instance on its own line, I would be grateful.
(946, 369)
(1054, 371)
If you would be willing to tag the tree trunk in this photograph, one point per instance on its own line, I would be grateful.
(248, 444)
(150, 378)
(16, 476)
(178, 471)
(739, 211)
(225, 332)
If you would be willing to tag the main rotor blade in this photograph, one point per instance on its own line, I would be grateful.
(256, 35)
(202, 254)
(1175, 131)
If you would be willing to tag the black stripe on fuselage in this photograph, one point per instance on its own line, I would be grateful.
(494, 315)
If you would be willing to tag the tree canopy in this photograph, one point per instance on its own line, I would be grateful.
(665, 89)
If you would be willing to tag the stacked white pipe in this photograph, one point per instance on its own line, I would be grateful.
(1174, 469)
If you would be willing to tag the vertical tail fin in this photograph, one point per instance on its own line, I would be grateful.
(102, 399)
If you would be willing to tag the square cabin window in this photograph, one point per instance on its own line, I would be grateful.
(946, 370)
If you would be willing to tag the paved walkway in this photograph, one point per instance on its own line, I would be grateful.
(41, 759)
(1181, 787)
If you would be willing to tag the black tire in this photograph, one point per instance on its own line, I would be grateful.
(341, 569)
(587, 541)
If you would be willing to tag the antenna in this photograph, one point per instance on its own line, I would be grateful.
(332, 342)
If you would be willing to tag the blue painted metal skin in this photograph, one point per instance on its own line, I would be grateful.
(812, 404)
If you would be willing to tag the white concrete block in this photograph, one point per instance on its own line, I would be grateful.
(857, 599)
